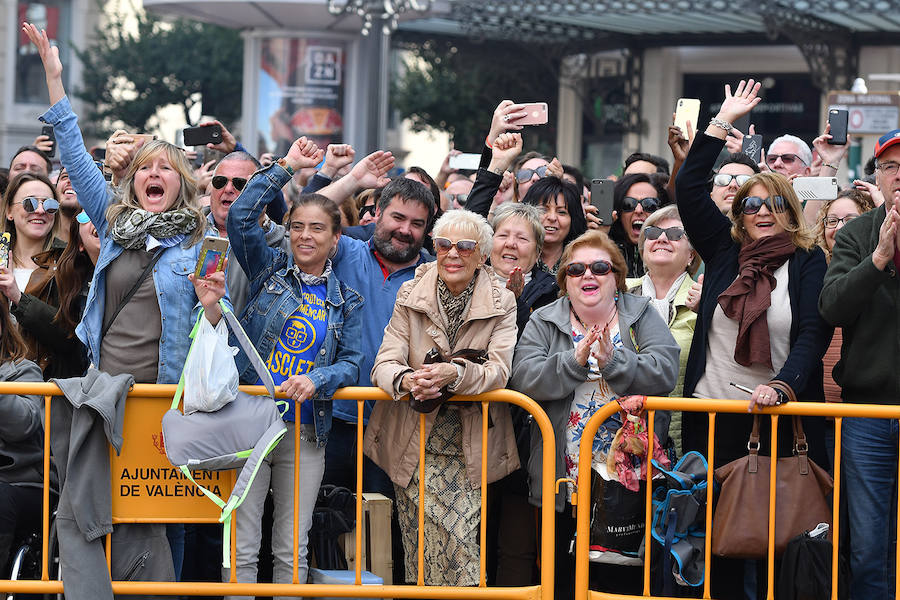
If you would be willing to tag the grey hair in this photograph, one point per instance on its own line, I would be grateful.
(664, 213)
(240, 155)
(529, 213)
(469, 224)
(804, 152)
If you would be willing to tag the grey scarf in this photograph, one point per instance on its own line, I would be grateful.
(131, 227)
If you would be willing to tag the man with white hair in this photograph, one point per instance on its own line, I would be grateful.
(790, 156)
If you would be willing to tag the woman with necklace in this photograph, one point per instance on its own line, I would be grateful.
(595, 344)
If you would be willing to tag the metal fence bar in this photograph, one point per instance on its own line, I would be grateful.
(648, 508)
(482, 555)
(773, 487)
(357, 542)
(836, 509)
(710, 478)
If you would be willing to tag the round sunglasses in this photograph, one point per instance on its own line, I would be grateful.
(725, 179)
(648, 204)
(673, 234)
(598, 267)
(31, 203)
(751, 204)
(463, 247)
(523, 175)
(220, 181)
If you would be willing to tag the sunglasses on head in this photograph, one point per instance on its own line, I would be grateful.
(220, 181)
(787, 159)
(751, 204)
(523, 175)
(30, 204)
(673, 234)
(598, 267)
(725, 179)
(648, 204)
(463, 247)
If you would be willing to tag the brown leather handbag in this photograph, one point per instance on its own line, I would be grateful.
(803, 499)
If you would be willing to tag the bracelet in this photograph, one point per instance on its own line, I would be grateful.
(283, 164)
(830, 166)
(717, 122)
(487, 141)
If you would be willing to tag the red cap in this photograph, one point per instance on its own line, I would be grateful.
(886, 141)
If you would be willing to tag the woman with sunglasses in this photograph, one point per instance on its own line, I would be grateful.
(670, 261)
(635, 197)
(594, 344)
(758, 322)
(456, 308)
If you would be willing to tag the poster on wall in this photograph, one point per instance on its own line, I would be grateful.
(301, 92)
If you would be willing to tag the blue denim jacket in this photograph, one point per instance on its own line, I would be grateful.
(178, 304)
(275, 295)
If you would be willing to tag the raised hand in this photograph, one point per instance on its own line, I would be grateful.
(303, 154)
(505, 112)
(120, 150)
(678, 144)
(50, 58)
(371, 172)
(228, 143)
(43, 143)
(831, 155)
(873, 190)
(506, 148)
(516, 282)
(736, 105)
(209, 291)
(337, 156)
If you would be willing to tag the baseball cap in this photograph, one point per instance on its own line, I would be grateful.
(886, 141)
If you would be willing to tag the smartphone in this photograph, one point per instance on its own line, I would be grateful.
(752, 147)
(837, 118)
(4, 250)
(212, 256)
(602, 198)
(48, 131)
(816, 188)
(536, 114)
(466, 162)
(201, 136)
(687, 109)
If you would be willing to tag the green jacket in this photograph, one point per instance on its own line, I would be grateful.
(865, 302)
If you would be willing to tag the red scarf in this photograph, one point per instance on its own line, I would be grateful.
(748, 298)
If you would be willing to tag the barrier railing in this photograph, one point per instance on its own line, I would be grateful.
(713, 407)
(155, 399)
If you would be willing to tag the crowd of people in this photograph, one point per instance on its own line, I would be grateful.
(710, 273)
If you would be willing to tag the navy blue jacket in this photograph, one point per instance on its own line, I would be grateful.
(710, 234)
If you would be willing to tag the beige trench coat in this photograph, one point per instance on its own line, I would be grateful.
(416, 326)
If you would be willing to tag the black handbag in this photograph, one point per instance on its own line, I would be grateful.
(434, 356)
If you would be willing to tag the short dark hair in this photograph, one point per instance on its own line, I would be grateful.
(325, 203)
(738, 158)
(547, 189)
(661, 164)
(430, 182)
(576, 173)
(241, 155)
(869, 168)
(409, 191)
(37, 151)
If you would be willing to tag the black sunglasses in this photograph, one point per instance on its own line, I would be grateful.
(751, 204)
(598, 267)
(648, 204)
(787, 158)
(368, 209)
(673, 234)
(220, 181)
(31, 203)
(523, 175)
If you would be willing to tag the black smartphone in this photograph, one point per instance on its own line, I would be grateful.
(837, 118)
(48, 131)
(201, 136)
(602, 198)
(751, 145)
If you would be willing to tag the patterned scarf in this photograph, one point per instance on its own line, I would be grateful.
(454, 306)
(131, 227)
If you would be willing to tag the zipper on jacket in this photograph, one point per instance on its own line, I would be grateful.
(138, 564)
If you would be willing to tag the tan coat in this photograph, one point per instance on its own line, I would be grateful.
(416, 326)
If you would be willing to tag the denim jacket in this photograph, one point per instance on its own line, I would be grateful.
(178, 304)
(275, 294)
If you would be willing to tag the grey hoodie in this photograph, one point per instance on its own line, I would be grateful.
(544, 368)
(21, 428)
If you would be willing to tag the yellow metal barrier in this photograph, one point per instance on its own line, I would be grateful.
(163, 394)
(582, 498)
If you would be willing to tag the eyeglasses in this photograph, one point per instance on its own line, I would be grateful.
(463, 247)
(648, 204)
(598, 267)
(890, 168)
(832, 222)
(751, 204)
(725, 179)
(460, 199)
(83, 218)
(220, 181)
(787, 159)
(30, 204)
(368, 209)
(523, 175)
(673, 234)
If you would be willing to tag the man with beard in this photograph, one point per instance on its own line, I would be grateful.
(376, 268)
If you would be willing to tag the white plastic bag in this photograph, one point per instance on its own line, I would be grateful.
(210, 375)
